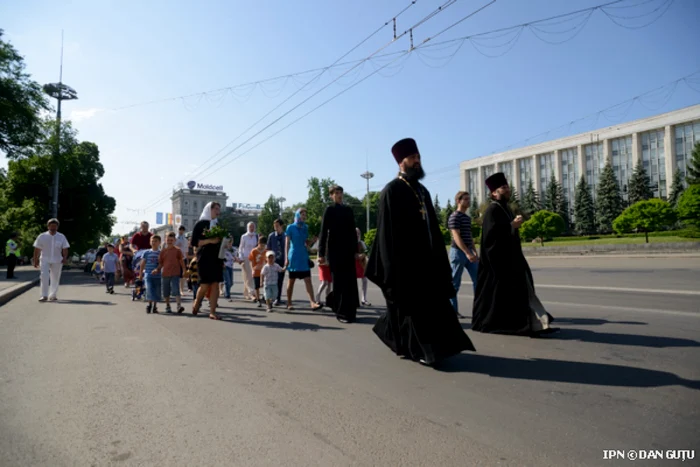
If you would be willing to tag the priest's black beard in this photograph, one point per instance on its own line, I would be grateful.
(413, 174)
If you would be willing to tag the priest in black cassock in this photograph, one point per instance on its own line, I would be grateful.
(409, 263)
(505, 300)
(338, 248)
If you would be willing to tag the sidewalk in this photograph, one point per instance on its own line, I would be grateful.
(27, 277)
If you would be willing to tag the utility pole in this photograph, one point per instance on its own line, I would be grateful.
(367, 176)
(60, 92)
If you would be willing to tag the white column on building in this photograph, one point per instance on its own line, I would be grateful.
(581, 161)
(464, 179)
(515, 183)
(535, 173)
(557, 164)
(669, 156)
(636, 150)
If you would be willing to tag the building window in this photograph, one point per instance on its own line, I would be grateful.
(507, 169)
(686, 136)
(569, 177)
(488, 171)
(622, 162)
(546, 162)
(194, 206)
(654, 161)
(525, 173)
(473, 183)
(595, 162)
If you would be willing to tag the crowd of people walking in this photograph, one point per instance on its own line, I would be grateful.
(421, 318)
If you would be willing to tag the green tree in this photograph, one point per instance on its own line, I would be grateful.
(693, 175)
(543, 225)
(515, 203)
(85, 210)
(608, 203)
(266, 218)
(373, 209)
(21, 102)
(369, 238)
(530, 203)
(676, 188)
(689, 206)
(447, 212)
(638, 189)
(474, 210)
(438, 210)
(318, 200)
(359, 211)
(646, 216)
(584, 210)
(555, 200)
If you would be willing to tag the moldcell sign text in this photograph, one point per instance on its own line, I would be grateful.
(203, 186)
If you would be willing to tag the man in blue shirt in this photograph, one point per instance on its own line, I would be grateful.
(276, 242)
(462, 251)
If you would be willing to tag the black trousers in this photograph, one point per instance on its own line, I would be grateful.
(11, 264)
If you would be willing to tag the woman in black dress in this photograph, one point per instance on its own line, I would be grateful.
(209, 266)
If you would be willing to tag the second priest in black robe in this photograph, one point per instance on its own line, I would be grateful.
(338, 246)
(408, 261)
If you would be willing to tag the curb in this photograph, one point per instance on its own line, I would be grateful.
(15, 291)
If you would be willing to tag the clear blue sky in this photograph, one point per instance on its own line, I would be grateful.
(120, 53)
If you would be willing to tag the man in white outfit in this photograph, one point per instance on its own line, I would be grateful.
(249, 241)
(51, 252)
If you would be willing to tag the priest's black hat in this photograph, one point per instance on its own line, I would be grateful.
(496, 181)
(404, 148)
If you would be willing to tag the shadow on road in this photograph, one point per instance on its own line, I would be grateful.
(658, 342)
(242, 318)
(595, 321)
(538, 369)
(83, 302)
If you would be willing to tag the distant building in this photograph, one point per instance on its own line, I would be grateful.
(662, 143)
(189, 203)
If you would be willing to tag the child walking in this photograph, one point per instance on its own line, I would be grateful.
(151, 273)
(110, 266)
(257, 261)
(271, 274)
(326, 280)
(170, 262)
(193, 276)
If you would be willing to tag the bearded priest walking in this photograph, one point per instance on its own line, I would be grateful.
(409, 263)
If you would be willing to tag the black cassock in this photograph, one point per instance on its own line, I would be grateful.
(505, 300)
(408, 261)
(338, 244)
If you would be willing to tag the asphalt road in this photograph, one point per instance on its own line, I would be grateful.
(93, 380)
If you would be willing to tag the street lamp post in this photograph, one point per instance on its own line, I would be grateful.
(60, 92)
(281, 199)
(367, 176)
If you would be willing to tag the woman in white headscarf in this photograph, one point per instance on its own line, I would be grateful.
(209, 267)
(249, 241)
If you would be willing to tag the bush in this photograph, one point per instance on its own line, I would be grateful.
(648, 216)
(476, 232)
(446, 235)
(370, 235)
(543, 225)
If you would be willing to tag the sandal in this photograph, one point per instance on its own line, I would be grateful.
(214, 316)
(195, 309)
(290, 308)
(316, 307)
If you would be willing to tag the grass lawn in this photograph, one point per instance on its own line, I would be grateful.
(612, 241)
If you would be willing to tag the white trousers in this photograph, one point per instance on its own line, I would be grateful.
(248, 283)
(50, 277)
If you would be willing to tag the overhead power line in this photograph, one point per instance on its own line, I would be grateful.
(480, 41)
(434, 13)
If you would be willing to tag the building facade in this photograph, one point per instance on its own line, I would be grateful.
(189, 203)
(662, 143)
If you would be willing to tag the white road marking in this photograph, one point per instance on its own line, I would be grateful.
(612, 289)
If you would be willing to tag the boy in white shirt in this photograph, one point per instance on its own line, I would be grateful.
(51, 253)
(270, 275)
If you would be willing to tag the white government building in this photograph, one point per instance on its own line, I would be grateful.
(663, 143)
